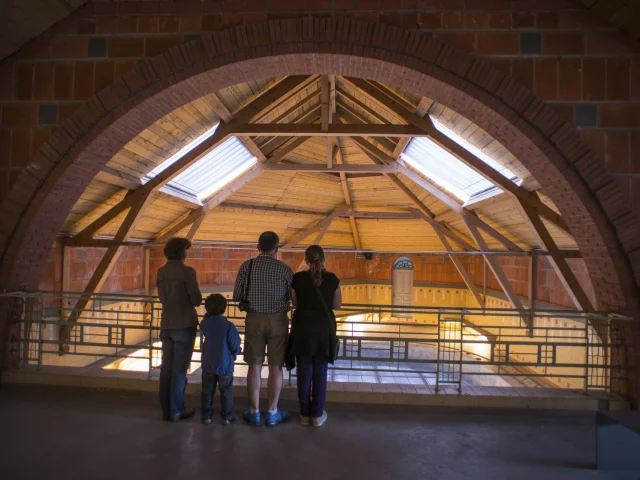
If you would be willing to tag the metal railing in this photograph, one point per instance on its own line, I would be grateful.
(449, 347)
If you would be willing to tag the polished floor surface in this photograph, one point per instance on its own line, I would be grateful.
(51, 433)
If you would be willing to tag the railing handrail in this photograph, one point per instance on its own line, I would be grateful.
(369, 308)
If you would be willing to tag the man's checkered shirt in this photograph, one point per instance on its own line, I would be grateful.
(270, 287)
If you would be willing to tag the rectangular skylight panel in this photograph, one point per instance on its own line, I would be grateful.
(216, 169)
(179, 154)
(446, 170)
(474, 150)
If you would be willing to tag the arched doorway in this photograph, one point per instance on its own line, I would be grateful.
(402, 286)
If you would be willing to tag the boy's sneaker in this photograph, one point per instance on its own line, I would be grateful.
(318, 421)
(252, 418)
(276, 418)
(228, 420)
(206, 421)
(305, 420)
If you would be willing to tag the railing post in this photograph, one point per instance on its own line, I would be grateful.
(586, 355)
(151, 343)
(40, 334)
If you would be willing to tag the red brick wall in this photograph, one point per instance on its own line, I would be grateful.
(127, 274)
(548, 286)
(219, 267)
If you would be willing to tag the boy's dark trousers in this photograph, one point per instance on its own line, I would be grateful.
(209, 382)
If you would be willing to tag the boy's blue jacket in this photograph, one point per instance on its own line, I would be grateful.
(221, 345)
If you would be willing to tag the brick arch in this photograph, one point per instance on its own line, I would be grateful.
(548, 146)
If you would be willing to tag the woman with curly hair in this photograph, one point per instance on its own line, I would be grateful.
(315, 294)
(179, 294)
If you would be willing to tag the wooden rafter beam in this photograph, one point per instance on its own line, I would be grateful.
(248, 142)
(221, 195)
(344, 168)
(444, 197)
(178, 226)
(346, 193)
(280, 93)
(442, 229)
(462, 271)
(318, 227)
(116, 177)
(255, 109)
(307, 117)
(391, 101)
(308, 130)
(495, 267)
(100, 210)
(558, 261)
(107, 263)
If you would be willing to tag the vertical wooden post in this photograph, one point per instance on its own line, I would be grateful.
(146, 258)
(533, 279)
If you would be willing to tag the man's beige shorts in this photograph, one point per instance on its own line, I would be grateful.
(266, 331)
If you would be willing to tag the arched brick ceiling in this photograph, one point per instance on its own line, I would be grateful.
(23, 20)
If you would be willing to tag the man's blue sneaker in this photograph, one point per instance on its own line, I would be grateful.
(252, 418)
(276, 418)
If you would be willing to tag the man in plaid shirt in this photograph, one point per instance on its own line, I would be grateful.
(266, 325)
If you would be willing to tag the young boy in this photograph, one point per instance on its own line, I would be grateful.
(221, 346)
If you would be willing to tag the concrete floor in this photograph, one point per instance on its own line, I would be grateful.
(50, 433)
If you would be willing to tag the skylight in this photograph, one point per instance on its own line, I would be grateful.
(444, 169)
(211, 173)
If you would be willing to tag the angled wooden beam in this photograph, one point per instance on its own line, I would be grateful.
(195, 226)
(178, 226)
(558, 261)
(286, 150)
(497, 271)
(462, 271)
(444, 197)
(106, 264)
(310, 116)
(345, 96)
(248, 142)
(318, 227)
(318, 168)
(390, 100)
(281, 92)
(471, 216)
(442, 229)
(348, 117)
(98, 243)
(99, 210)
(344, 130)
(221, 195)
(421, 110)
(255, 109)
(222, 133)
(346, 193)
(264, 208)
(116, 177)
